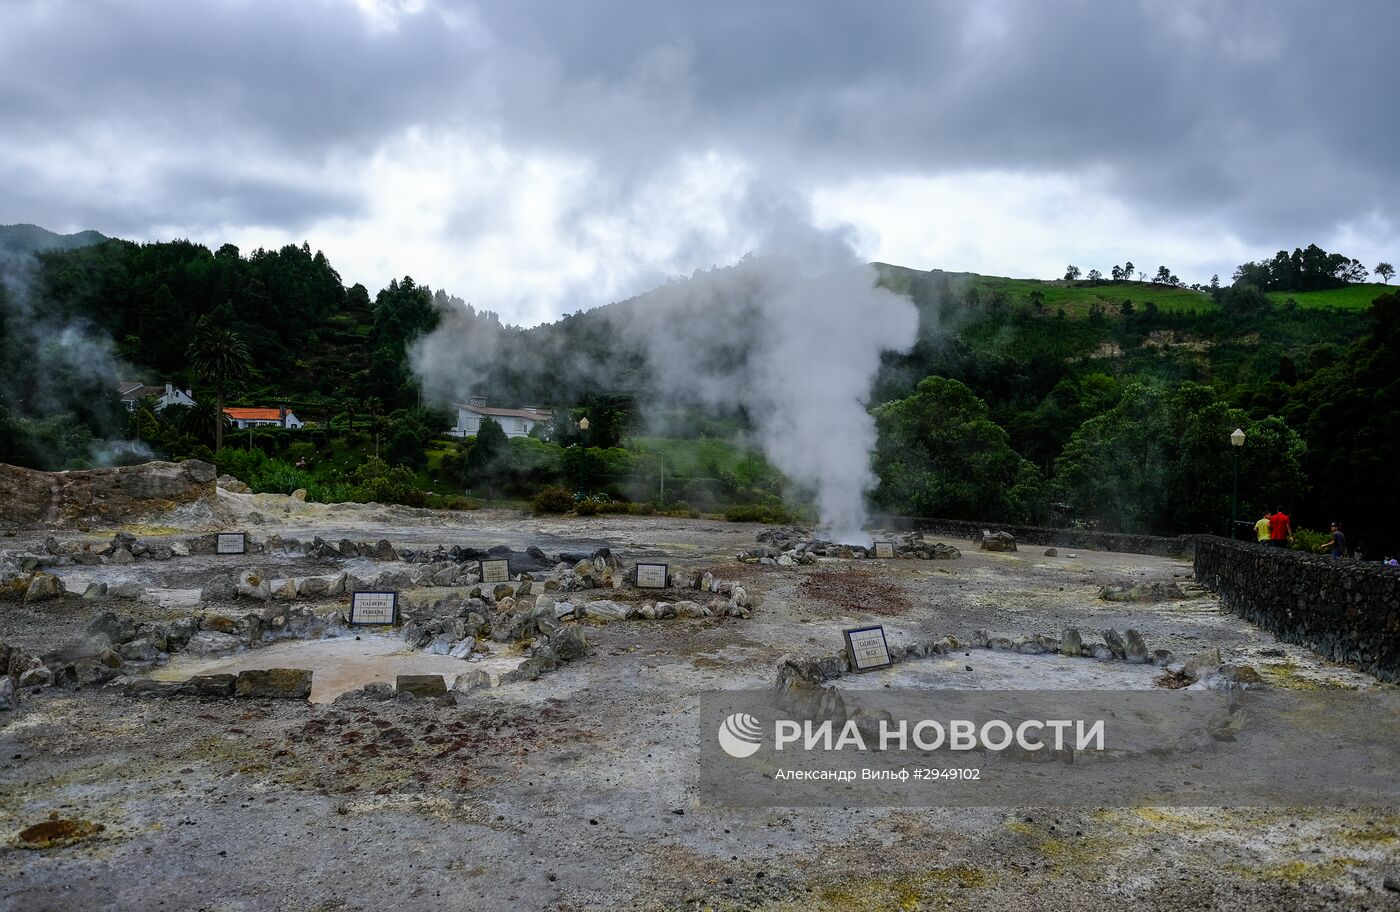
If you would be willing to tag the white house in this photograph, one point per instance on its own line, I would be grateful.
(262, 417)
(518, 422)
(133, 392)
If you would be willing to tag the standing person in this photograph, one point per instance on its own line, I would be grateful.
(1261, 529)
(1338, 542)
(1280, 529)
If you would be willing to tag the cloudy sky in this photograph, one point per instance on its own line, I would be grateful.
(541, 157)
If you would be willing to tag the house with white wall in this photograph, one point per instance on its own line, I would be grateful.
(133, 391)
(242, 417)
(516, 422)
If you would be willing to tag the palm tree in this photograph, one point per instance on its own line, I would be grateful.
(219, 356)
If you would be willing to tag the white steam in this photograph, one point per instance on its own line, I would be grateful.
(798, 353)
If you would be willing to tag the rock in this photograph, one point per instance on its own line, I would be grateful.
(145, 687)
(313, 587)
(214, 685)
(502, 591)
(604, 610)
(113, 628)
(1071, 644)
(254, 585)
(440, 645)
(43, 587)
(142, 649)
(274, 683)
(421, 685)
(36, 677)
(1101, 652)
(471, 680)
(299, 495)
(1115, 643)
(178, 635)
(161, 552)
(126, 589)
(220, 587)
(1151, 592)
(1135, 649)
(285, 590)
(348, 548)
(464, 648)
(233, 485)
(95, 592)
(179, 549)
(569, 644)
(210, 642)
(1244, 675)
(384, 551)
(8, 697)
(1202, 664)
(1052, 552)
(997, 541)
(122, 556)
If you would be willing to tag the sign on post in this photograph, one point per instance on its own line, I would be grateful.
(867, 648)
(374, 608)
(652, 576)
(495, 571)
(231, 543)
(884, 549)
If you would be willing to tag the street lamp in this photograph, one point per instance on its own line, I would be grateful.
(1236, 441)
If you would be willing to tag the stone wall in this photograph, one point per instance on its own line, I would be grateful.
(1181, 546)
(33, 499)
(1347, 610)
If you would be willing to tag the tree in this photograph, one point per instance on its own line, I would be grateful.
(218, 355)
(1128, 271)
(1116, 272)
(939, 453)
(1095, 275)
(1071, 273)
(1385, 271)
(1038, 301)
(1160, 461)
(1163, 277)
(484, 462)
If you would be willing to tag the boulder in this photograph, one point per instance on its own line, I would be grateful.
(36, 677)
(95, 592)
(8, 697)
(1136, 649)
(421, 685)
(463, 648)
(1052, 552)
(221, 586)
(254, 585)
(604, 610)
(43, 587)
(471, 680)
(569, 644)
(384, 551)
(1071, 644)
(126, 589)
(233, 485)
(211, 642)
(314, 587)
(440, 645)
(214, 685)
(285, 590)
(122, 556)
(998, 541)
(1202, 664)
(142, 649)
(274, 683)
(1115, 643)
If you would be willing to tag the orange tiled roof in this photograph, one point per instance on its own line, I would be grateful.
(255, 414)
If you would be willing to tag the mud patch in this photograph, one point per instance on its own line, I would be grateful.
(856, 591)
(57, 832)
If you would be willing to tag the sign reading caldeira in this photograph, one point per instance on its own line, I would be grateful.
(884, 549)
(495, 571)
(652, 576)
(374, 607)
(231, 543)
(867, 648)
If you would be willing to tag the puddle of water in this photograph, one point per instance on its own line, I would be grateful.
(340, 664)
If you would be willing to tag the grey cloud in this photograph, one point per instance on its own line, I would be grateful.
(1267, 117)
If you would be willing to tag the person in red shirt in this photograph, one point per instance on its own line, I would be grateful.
(1280, 529)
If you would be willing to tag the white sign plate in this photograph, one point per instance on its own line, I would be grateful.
(884, 549)
(495, 571)
(867, 648)
(374, 607)
(652, 576)
(231, 543)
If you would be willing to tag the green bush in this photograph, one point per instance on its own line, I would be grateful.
(1309, 540)
(451, 502)
(760, 513)
(553, 500)
(586, 508)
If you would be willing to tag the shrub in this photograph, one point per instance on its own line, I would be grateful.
(586, 508)
(1308, 540)
(451, 502)
(760, 513)
(553, 500)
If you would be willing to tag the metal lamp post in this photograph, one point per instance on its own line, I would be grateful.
(1236, 441)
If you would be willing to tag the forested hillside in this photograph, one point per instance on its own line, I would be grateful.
(1106, 400)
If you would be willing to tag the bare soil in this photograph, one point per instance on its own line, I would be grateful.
(578, 791)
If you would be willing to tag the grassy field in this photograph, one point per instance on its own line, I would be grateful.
(1352, 297)
(705, 458)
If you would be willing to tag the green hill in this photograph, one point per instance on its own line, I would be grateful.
(1348, 297)
(18, 240)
